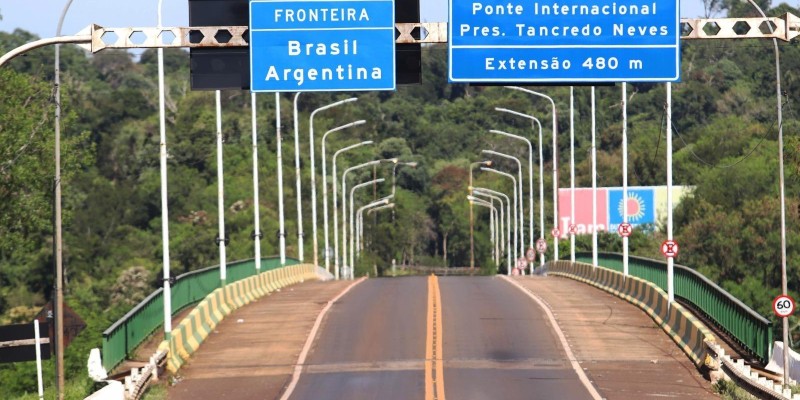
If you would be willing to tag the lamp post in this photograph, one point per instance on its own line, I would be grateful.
(501, 226)
(370, 210)
(555, 160)
(278, 152)
(572, 172)
(59, 303)
(325, 185)
(297, 180)
(352, 212)
(335, 205)
(507, 244)
(471, 215)
(521, 211)
(516, 215)
(412, 164)
(314, 183)
(534, 120)
(344, 197)
(483, 203)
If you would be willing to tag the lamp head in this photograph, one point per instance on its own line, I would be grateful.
(412, 164)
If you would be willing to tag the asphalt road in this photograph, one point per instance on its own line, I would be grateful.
(371, 344)
(497, 344)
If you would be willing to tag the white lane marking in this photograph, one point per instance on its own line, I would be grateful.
(298, 368)
(575, 366)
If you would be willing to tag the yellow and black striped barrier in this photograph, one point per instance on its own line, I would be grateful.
(190, 333)
(683, 327)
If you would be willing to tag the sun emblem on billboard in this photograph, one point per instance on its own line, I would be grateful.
(636, 207)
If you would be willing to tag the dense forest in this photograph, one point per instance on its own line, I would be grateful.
(725, 136)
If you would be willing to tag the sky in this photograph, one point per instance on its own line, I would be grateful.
(41, 16)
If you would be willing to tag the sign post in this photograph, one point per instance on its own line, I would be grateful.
(322, 45)
(575, 41)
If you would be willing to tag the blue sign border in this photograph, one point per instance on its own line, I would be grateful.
(312, 27)
(669, 49)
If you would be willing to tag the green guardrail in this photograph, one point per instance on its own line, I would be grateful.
(747, 327)
(125, 335)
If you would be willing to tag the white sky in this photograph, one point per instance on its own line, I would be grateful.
(41, 16)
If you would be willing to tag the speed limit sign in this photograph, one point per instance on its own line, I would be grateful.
(783, 306)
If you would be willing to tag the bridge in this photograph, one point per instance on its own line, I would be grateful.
(324, 325)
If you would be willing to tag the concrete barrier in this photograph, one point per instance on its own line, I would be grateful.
(190, 332)
(682, 327)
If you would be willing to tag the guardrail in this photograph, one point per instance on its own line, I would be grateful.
(125, 335)
(747, 327)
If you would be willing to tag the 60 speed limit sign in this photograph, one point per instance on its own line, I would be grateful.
(783, 306)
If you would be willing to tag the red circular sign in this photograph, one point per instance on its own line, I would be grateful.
(783, 306)
(669, 248)
(522, 262)
(573, 229)
(555, 232)
(541, 246)
(530, 254)
(625, 229)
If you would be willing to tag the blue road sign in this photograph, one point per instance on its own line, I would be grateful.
(498, 41)
(321, 45)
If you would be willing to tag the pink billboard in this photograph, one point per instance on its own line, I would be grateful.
(583, 211)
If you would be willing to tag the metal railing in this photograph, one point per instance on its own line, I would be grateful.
(748, 328)
(125, 335)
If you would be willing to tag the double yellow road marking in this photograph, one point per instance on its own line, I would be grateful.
(434, 368)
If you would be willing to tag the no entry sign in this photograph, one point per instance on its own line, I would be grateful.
(541, 246)
(530, 254)
(669, 248)
(624, 229)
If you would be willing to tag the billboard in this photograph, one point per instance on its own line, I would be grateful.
(645, 205)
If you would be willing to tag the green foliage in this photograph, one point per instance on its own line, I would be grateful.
(729, 391)
(725, 138)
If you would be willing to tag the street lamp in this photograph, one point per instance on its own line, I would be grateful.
(325, 178)
(381, 204)
(555, 160)
(412, 164)
(484, 203)
(297, 180)
(501, 226)
(344, 194)
(487, 163)
(352, 212)
(314, 181)
(360, 217)
(516, 215)
(481, 190)
(534, 120)
(521, 201)
(335, 210)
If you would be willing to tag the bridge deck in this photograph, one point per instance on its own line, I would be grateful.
(622, 351)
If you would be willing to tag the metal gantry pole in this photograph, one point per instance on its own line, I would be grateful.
(324, 184)
(256, 207)
(281, 222)
(167, 296)
(572, 172)
(220, 193)
(624, 175)
(297, 180)
(59, 286)
(594, 185)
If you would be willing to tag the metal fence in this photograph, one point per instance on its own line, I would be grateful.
(125, 335)
(747, 327)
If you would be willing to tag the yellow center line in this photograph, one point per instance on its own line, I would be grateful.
(434, 368)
